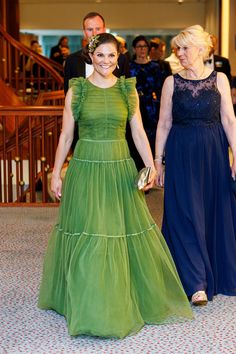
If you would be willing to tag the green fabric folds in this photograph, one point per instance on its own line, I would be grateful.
(107, 268)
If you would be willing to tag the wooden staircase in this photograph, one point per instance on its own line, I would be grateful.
(45, 75)
(31, 110)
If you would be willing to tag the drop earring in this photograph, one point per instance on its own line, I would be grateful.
(117, 66)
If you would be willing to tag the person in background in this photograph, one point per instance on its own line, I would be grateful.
(217, 62)
(84, 42)
(157, 54)
(174, 62)
(56, 51)
(76, 65)
(233, 93)
(65, 51)
(123, 47)
(107, 268)
(27, 62)
(40, 50)
(32, 71)
(196, 126)
(149, 81)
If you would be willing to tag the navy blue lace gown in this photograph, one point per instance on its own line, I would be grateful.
(199, 222)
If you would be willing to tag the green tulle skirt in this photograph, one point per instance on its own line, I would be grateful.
(107, 268)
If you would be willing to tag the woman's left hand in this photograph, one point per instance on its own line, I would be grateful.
(151, 180)
(160, 174)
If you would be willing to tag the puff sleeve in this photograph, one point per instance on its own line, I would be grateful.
(79, 89)
(128, 88)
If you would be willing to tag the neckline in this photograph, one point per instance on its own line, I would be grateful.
(195, 80)
(102, 88)
(142, 63)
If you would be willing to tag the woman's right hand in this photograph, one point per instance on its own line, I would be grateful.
(151, 180)
(56, 186)
(160, 174)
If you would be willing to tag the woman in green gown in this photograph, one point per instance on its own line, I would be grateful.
(107, 268)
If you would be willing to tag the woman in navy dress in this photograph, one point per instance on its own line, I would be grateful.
(195, 129)
(149, 82)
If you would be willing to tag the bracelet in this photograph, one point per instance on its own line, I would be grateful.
(158, 160)
(157, 157)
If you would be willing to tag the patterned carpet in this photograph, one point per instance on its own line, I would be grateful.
(26, 329)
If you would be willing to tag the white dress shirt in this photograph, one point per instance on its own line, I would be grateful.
(88, 69)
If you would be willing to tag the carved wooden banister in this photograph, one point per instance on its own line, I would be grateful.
(8, 98)
(27, 156)
(24, 110)
(57, 66)
(43, 74)
(51, 97)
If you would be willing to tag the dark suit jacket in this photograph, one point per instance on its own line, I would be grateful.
(222, 64)
(164, 66)
(55, 49)
(75, 67)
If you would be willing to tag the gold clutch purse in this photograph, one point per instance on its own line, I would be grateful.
(142, 178)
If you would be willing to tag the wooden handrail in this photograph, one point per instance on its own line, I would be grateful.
(28, 156)
(32, 110)
(28, 72)
(39, 59)
(8, 99)
(57, 66)
(51, 97)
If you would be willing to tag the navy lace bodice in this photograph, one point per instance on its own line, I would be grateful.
(196, 102)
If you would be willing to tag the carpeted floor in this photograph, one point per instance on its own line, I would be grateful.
(26, 329)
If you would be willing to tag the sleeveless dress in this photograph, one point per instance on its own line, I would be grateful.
(107, 268)
(149, 82)
(199, 222)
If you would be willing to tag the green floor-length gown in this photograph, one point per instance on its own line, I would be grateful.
(107, 268)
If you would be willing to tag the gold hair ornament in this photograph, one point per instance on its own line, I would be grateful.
(93, 43)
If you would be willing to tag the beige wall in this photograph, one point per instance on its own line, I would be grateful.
(232, 36)
(212, 15)
(162, 15)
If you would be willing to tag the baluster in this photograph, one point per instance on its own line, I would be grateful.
(23, 173)
(4, 160)
(31, 164)
(17, 158)
(43, 161)
(1, 185)
(9, 177)
(17, 69)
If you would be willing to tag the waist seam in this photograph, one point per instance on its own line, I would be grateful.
(152, 226)
(195, 123)
(102, 141)
(101, 161)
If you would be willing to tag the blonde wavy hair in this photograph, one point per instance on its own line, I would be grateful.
(193, 36)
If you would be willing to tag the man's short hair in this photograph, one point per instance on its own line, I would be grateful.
(33, 41)
(91, 15)
(156, 43)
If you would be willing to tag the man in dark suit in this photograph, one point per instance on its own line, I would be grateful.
(57, 51)
(222, 64)
(217, 62)
(75, 65)
(157, 53)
